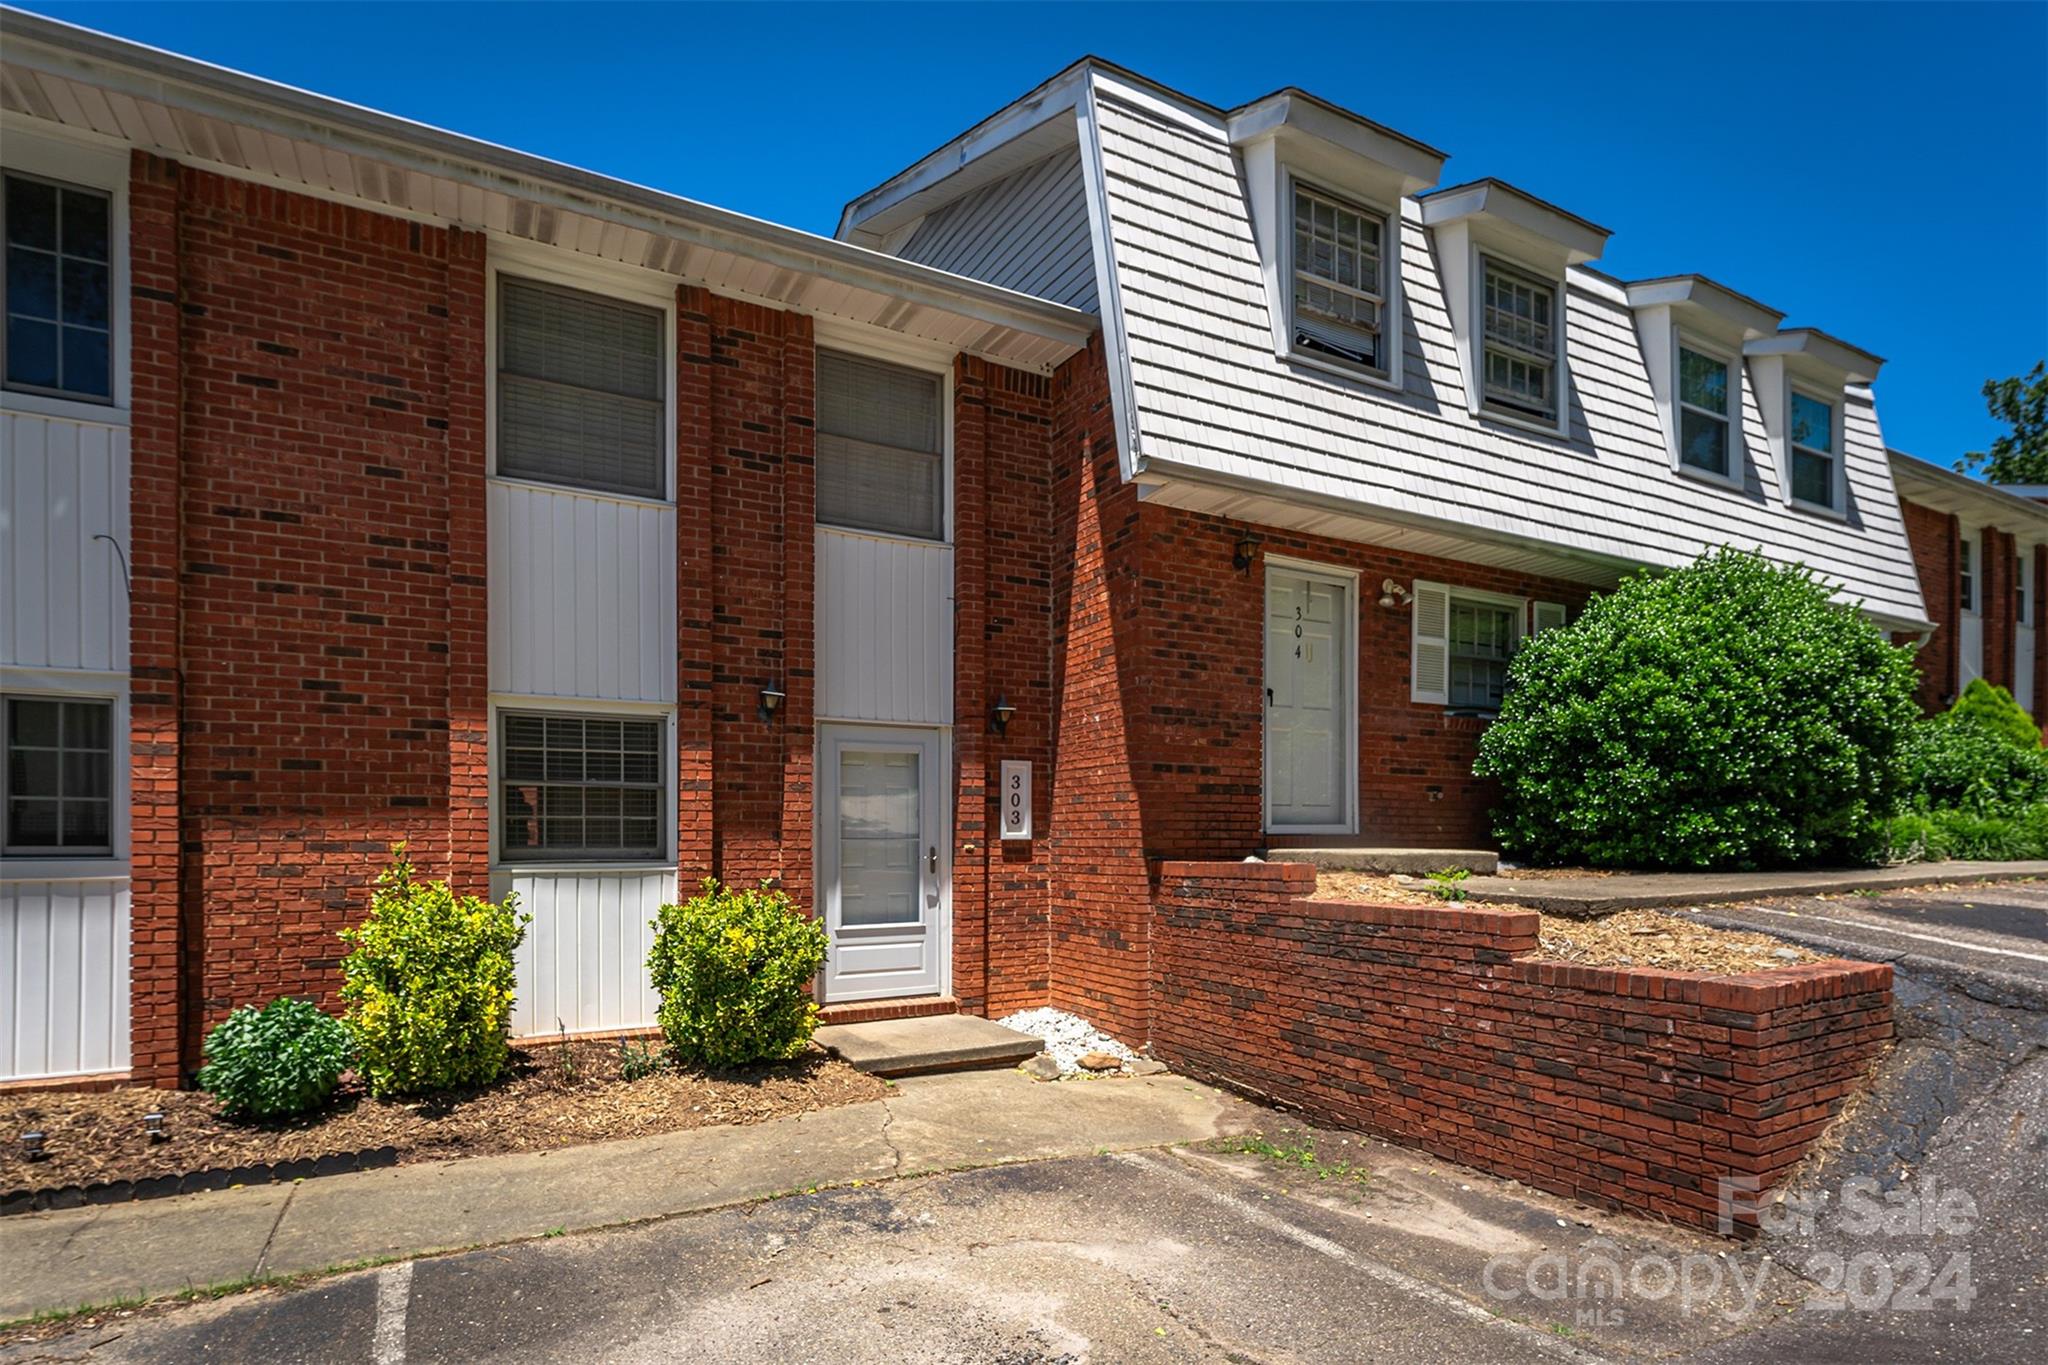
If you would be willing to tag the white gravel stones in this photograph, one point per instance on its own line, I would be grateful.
(1068, 1037)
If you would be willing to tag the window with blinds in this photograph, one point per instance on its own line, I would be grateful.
(580, 389)
(881, 447)
(574, 787)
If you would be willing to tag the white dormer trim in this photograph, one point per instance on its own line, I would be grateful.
(1289, 139)
(1803, 360)
(1492, 220)
(1691, 312)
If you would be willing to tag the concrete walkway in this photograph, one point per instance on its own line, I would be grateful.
(1604, 894)
(72, 1257)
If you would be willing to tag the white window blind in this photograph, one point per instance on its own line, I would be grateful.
(580, 389)
(881, 447)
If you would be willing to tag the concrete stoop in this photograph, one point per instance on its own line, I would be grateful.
(910, 1047)
(1415, 862)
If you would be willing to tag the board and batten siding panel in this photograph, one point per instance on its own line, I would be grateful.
(63, 978)
(1211, 396)
(583, 965)
(582, 595)
(885, 629)
(1027, 232)
(62, 483)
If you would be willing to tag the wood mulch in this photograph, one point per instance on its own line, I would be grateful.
(556, 1095)
(1630, 938)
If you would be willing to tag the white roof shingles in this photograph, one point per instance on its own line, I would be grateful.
(1210, 396)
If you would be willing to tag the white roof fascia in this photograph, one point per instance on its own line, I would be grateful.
(1497, 210)
(1699, 303)
(1815, 355)
(1123, 397)
(1987, 504)
(152, 74)
(1342, 148)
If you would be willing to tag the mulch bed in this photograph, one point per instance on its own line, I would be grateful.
(1629, 938)
(556, 1095)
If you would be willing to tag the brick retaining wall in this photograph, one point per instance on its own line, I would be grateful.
(1627, 1088)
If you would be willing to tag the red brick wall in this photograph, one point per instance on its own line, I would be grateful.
(1995, 584)
(1932, 536)
(1626, 1088)
(309, 439)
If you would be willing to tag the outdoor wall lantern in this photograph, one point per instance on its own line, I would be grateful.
(1247, 547)
(771, 702)
(1392, 594)
(1004, 710)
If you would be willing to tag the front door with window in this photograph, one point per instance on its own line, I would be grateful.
(1308, 701)
(882, 861)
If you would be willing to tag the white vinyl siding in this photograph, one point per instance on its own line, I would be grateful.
(582, 967)
(1518, 341)
(581, 383)
(1339, 281)
(63, 978)
(1705, 386)
(884, 629)
(881, 447)
(1027, 231)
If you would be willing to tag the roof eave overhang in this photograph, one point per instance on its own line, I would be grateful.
(1314, 129)
(135, 71)
(1500, 208)
(1948, 490)
(1821, 356)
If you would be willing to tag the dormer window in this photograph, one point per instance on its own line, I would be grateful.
(1339, 269)
(1520, 314)
(1813, 450)
(1703, 389)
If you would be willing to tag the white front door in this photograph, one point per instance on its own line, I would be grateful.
(882, 861)
(1308, 701)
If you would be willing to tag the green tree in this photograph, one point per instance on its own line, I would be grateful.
(2022, 455)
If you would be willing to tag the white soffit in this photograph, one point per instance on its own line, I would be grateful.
(254, 129)
(1699, 304)
(1976, 502)
(1499, 212)
(1812, 354)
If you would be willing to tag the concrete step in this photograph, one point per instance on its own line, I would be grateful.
(1415, 862)
(943, 1042)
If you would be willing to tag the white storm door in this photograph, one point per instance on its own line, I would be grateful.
(1308, 701)
(882, 861)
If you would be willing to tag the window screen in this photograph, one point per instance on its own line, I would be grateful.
(1482, 642)
(1520, 343)
(60, 767)
(881, 448)
(580, 389)
(580, 787)
(59, 338)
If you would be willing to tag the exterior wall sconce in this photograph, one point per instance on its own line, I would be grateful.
(1392, 594)
(1246, 550)
(1003, 712)
(771, 702)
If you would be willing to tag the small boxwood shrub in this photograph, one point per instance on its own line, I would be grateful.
(1728, 714)
(429, 982)
(1994, 708)
(268, 1063)
(733, 969)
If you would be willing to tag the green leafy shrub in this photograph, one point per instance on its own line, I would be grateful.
(1960, 761)
(1936, 835)
(733, 969)
(428, 983)
(1993, 707)
(637, 1061)
(283, 1059)
(1725, 715)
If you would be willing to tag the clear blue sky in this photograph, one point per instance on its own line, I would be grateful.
(1876, 170)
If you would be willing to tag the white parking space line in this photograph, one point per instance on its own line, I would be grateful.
(394, 1296)
(1387, 1275)
(1902, 933)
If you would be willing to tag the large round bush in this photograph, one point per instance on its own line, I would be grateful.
(276, 1061)
(1726, 715)
(733, 969)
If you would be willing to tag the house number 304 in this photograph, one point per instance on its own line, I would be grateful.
(1016, 798)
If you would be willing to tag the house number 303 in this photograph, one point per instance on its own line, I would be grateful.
(1015, 786)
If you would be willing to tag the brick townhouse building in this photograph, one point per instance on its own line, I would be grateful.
(1129, 479)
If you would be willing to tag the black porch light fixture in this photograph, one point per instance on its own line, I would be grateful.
(1003, 711)
(1245, 551)
(772, 698)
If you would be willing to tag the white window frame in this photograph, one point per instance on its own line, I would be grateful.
(1518, 607)
(1837, 478)
(1388, 374)
(43, 153)
(2023, 586)
(864, 343)
(67, 685)
(1969, 569)
(1681, 342)
(549, 265)
(1484, 258)
(663, 712)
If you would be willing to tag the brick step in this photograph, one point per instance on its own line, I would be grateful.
(1416, 862)
(868, 1011)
